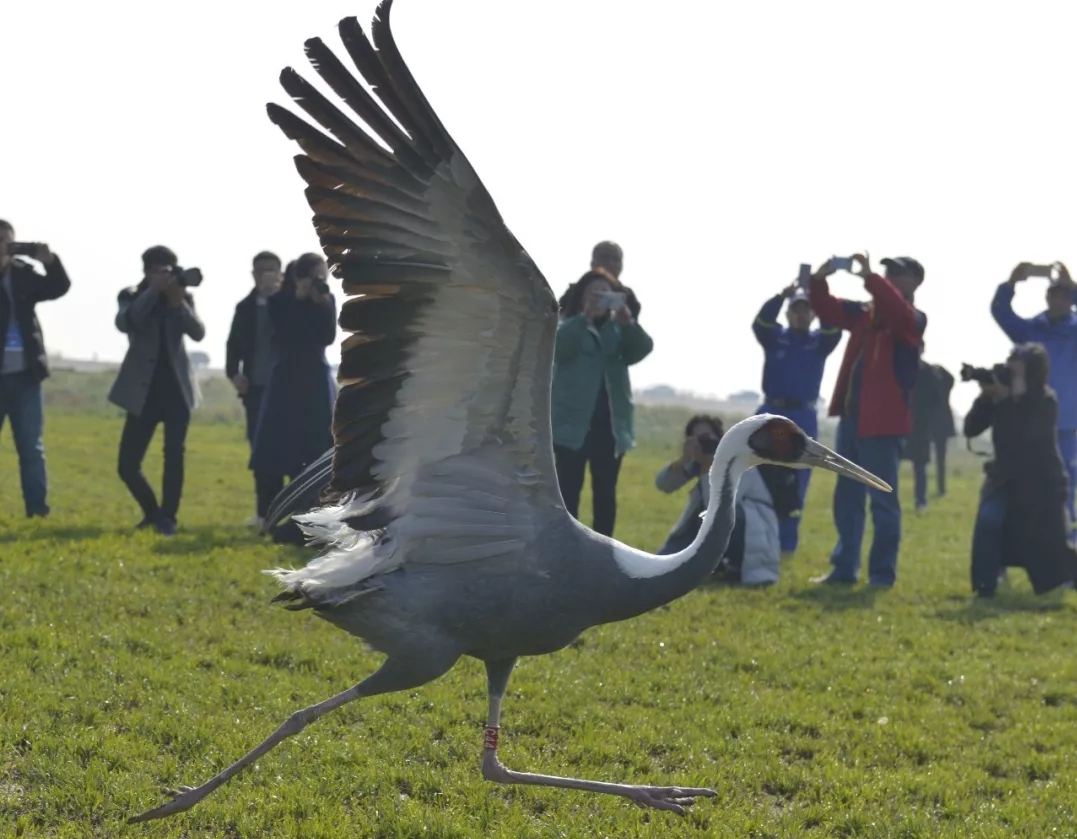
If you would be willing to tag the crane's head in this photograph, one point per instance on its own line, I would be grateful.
(766, 438)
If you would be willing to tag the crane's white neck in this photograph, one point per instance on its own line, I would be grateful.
(724, 477)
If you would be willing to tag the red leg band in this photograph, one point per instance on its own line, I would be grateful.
(489, 737)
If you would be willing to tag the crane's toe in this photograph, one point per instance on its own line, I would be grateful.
(674, 799)
(183, 798)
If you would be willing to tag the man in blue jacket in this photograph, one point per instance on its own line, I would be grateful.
(792, 372)
(1056, 329)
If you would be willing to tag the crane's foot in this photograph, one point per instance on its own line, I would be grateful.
(674, 799)
(183, 799)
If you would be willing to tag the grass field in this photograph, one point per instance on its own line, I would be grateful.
(132, 662)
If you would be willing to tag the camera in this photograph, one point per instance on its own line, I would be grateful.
(22, 249)
(841, 263)
(708, 444)
(1049, 271)
(986, 376)
(804, 278)
(321, 286)
(187, 277)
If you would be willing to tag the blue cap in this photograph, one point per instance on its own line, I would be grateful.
(799, 296)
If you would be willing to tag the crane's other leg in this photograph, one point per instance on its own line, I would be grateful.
(393, 675)
(662, 798)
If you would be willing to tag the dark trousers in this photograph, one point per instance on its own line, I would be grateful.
(600, 450)
(138, 431)
(987, 542)
(919, 473)
(940, 464)
(1067, 447)
(266, 487)
(879, 455)
(21, 402)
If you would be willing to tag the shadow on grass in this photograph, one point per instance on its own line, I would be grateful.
(204, 538)
(58, 534)
(835, 598)
(977, 609)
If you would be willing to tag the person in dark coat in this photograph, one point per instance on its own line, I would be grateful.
(296, 417)
(23, 361)
(1022, 519)
(249, 353)
(155, 384)
(942, 426)
(932, 426)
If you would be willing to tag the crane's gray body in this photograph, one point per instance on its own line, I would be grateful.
(536, 602)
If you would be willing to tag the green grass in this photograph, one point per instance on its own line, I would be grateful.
(132, 662)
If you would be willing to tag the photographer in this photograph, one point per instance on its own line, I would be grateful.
(1056, 330)
(1021, 521)
(592, 412)
(23, 361)
(296, 417)
(872, 399)
(155, 384)
(249, 352)
(608, 257)
(753, 556)
(792, 373)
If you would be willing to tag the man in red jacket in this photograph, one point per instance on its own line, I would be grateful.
(873, 400)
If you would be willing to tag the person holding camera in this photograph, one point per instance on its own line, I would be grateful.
(295, 420)
(1056, 330)
(23, 361)
(794, 359)
(1022, 519)
(598, 339)
(249, 354)
(155, 385)
(753, 556)
(872, 401)
(608, 257)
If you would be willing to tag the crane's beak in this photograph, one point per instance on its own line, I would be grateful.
(819, 456)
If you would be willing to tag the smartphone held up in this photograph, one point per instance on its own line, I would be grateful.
(611, 300)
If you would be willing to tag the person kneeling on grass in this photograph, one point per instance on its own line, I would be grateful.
(763, 496)
(1022, 520)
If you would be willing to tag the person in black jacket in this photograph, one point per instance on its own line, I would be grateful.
(295, 421)
(1022, 520)
(250, 352)
(23, 362)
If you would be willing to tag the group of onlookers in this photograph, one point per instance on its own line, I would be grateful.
(889, 402)
(276, 361)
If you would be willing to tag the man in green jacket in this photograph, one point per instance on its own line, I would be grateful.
(597, 340)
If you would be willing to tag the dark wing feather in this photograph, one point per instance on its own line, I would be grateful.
(451, 324)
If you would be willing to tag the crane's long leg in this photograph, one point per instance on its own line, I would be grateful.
(662, 798)
(393, 675)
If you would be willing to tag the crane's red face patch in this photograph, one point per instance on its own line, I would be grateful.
(779, 440)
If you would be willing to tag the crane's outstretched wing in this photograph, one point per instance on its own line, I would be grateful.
(441, 427)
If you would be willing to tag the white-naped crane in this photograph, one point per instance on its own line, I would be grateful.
(444, 529)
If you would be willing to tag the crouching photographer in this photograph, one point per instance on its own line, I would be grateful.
(1022, 520)
(765, 494)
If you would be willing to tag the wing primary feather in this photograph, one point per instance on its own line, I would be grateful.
(333, 120)
(336, 75)
(404, 85)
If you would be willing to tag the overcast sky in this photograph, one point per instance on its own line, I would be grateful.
(720, 143)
